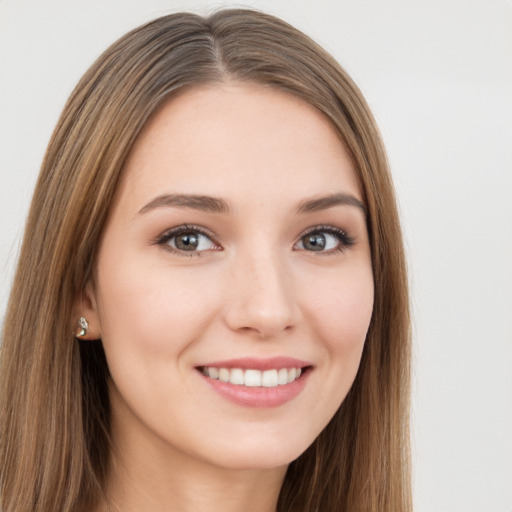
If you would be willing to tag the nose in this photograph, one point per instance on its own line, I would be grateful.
(262, 299)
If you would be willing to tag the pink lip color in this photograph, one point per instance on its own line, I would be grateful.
(261, 397)
(255, 363)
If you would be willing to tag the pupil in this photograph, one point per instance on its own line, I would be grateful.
(315, 242)
(187, 242)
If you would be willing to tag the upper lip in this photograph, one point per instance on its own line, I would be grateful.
(254, 363)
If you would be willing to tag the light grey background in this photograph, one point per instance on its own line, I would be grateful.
(438, 75)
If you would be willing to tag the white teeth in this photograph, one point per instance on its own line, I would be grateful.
(236, 376)
(269, 378)
(282, 376)
(254, 378)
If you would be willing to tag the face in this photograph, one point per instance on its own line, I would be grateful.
(233, 287)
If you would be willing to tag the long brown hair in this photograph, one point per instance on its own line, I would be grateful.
(54, 424)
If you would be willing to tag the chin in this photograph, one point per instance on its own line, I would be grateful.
(258, 453)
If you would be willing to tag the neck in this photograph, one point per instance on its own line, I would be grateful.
(190, 487)
(149, 474)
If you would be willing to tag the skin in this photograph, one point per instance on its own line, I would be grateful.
(253, 290)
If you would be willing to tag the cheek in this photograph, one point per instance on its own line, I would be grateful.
(342, 310)
(149, 307)
(339, 315)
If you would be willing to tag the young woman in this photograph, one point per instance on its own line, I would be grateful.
(210, 310)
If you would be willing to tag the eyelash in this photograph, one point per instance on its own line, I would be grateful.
(168, 235)
(345, 241)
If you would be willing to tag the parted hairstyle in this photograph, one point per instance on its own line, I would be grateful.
(54, 402)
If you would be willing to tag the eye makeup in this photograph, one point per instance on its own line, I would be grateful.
(192, 240)
(187, 240)
(314, 239)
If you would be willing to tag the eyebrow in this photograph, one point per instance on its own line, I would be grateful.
(324, 202)
(196, 202)
(217, 205)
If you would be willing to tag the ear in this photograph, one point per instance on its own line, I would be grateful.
(86, 307)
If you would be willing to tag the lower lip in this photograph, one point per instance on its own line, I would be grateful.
(258, 396)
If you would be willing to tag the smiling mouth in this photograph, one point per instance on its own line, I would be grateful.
(254, 378)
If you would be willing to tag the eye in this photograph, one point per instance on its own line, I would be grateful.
(324, 239)
(187, 239)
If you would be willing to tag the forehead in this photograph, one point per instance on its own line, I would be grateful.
(241, 140)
